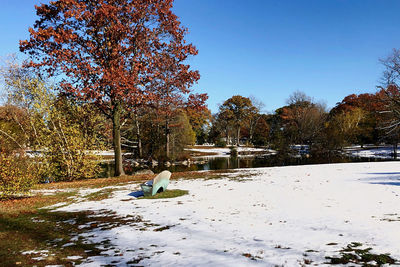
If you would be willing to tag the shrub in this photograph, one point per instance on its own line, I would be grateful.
(234, 152)
(72, 165)
(220, 143)
(17, 175)
(183, 156)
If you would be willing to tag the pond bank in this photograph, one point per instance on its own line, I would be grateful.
(261, 158)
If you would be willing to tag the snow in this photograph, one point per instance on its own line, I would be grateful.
(68, 245)
(225, 152)
(74, 257)
(105, 152)
(39, 254)
(35, 252)
(371, 152)
(274, 214)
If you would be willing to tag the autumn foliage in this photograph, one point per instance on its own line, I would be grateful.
(17, 174)
(117, 54)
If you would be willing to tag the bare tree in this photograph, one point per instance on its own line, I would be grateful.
(304, 119)
(255, 115)
(390, 96)
(298, 97)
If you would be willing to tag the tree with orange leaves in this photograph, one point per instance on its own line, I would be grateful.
(238, 110)
(198, 113)
(302, 119)
(112, 53)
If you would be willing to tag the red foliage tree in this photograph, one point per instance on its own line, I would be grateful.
(111, 53)
(367, 102)
(197, 111)
(372, 105)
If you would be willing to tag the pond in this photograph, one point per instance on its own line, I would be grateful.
(220, 163)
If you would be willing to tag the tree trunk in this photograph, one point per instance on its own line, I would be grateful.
(238, 137)
(139, 138)
(116, 116)
(167, 136)
(250, 136)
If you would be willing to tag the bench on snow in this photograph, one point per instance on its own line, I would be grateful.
(157, 185)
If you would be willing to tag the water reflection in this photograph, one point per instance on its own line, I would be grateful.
(221, 163)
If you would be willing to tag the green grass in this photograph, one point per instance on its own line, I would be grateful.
(42, 229)
(353, 254)
(26, 225)
(168, 194)
(100, 195)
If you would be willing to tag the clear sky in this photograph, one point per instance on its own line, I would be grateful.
(268, 49)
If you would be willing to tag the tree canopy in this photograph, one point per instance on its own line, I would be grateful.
(114, 53)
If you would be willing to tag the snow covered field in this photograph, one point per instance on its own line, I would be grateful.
(265, 217)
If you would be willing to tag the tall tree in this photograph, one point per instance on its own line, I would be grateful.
(111, 53)
(345, 126)
(222, 126)
(302, 119)
(365, 127)
(390, 96)
(390, 89)
(261, 131)
(255, 116)
(198, 114)
(238, 109)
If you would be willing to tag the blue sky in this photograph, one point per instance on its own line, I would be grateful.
(268, 49)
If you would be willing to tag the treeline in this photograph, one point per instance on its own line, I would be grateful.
(357, 119)
(369, 118)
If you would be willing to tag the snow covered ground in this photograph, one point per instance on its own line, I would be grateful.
(372, 152)
(225, 152)
(263, 217)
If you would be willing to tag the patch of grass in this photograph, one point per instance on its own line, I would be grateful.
(391, 217)
(241, 177)
(100, 195)
(353, 254)
(163, 228)
(307, 261)
(38, 231)
(251, 257)
(282, 247)
(332, 244)
(208, 175)
(43, 230)
(17, 206)
(94, 183)
(26, 225)
(113, 181)
(137, 259)
(168, 194)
